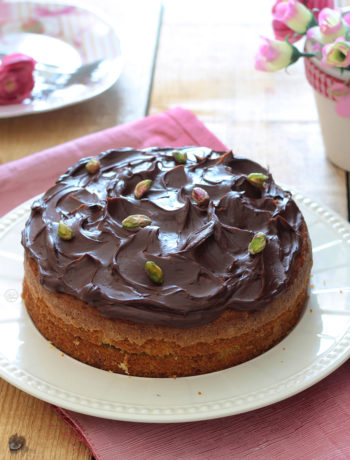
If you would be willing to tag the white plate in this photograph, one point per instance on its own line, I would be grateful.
(63, 35)
(315, 348)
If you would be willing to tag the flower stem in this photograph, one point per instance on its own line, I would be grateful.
(307, 55)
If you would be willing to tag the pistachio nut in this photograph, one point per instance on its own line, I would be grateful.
(142, 188)
(154, 272)
(257, 244)
(136, 220)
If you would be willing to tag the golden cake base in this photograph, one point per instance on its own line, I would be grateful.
(161, 351)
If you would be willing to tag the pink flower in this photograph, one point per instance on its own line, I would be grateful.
(331, 26)
(336, 54)
(273, 55)
(16, 78)
(282, 31)
(294, 15)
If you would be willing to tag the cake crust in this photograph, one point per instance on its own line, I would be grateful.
(147, 350)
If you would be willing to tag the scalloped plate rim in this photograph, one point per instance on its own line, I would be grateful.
(179, 412)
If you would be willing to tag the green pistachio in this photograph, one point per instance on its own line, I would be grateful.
(64, 232)
(180, 157)
(257, 244)
(141, 188)
(136, 220)
(257, 179)
(154, 272)
(93, 165)
(200, 196)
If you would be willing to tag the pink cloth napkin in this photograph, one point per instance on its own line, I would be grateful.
(25, 178)
(314, 424)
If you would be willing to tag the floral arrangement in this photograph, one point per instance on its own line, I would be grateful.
(16, 78)
(326, 27)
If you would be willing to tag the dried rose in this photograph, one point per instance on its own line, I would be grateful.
(16, 78)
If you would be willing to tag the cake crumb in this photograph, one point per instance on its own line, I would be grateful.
(281, 362)
(158, 395)
(312, 286)
(283, 348)
(174, 377)
(340, 291)
(310, 310)
(62, 354)
(124, 367)
(111, 372)
(199, 393)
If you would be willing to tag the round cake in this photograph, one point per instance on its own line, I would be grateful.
(165, 262)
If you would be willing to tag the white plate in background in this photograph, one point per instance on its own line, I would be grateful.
(63, 35)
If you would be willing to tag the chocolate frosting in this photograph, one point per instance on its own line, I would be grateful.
(203, 252)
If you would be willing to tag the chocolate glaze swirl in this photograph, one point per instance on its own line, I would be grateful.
(203, 253)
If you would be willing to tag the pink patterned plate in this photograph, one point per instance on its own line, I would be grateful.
(59, 36)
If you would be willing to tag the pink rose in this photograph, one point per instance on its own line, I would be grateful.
(281, 30)
(294, 15)
(273, 55)
(16, 78)
(331, 26)
(336, 54)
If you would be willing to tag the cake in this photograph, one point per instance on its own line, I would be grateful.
(165, 262)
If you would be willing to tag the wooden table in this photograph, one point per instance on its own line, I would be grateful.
(204, 63)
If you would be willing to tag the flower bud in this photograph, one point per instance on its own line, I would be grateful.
(16, 78)
(331, 26)
(274, 55)
(142, 188)
(336, 54)
(294, 15)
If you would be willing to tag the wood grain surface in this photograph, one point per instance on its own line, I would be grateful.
(47, 436)
(127, 100)
(204, 63)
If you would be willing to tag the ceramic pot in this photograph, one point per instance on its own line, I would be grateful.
(330, 85)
